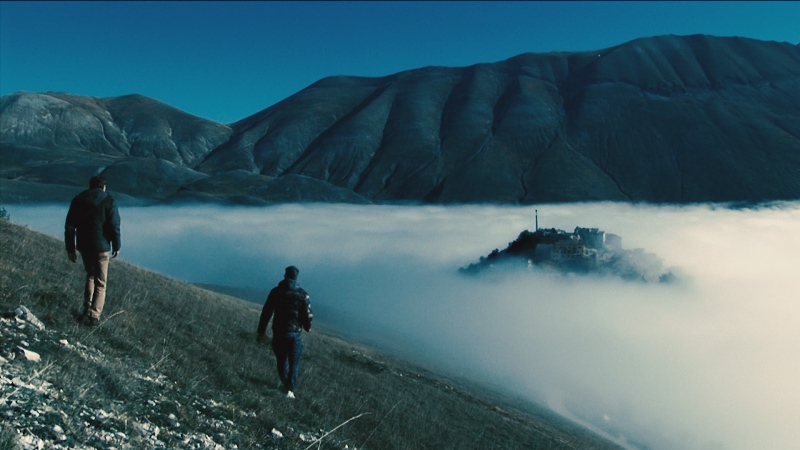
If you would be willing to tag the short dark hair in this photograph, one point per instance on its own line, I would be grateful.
(291, 273)
(98, 181)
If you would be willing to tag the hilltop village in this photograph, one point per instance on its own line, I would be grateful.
(584, 251)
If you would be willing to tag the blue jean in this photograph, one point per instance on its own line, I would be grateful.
(288, 349)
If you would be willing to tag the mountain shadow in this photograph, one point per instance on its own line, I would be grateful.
(667, 119)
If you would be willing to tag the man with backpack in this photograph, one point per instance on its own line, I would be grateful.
(93, 220)
(290, 305)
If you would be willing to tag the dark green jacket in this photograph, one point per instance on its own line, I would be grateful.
(93, 219)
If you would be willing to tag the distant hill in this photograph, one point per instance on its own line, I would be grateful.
(672, 119)
(585, 251)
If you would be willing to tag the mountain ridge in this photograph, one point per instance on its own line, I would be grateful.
(666, 119)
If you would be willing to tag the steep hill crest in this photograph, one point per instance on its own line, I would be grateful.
(666, 119)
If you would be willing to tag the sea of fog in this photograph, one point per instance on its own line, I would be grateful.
(709, 362)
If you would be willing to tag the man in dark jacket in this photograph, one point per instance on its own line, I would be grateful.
(292, 310)
(93, 219)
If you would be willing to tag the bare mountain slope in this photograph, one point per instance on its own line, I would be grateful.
(665, 119)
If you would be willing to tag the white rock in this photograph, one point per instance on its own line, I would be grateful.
(30, 442)
(29, 355)
(173, 420)
(276, 434)
(63, 342)
(23, 313)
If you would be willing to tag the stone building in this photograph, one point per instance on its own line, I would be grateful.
(569, 249)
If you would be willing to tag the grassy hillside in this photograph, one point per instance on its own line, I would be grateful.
(176, 366)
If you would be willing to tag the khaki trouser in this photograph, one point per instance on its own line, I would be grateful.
(94, 296)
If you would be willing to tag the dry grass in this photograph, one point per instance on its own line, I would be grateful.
(204, 344)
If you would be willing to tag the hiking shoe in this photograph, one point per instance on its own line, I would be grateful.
(290, 394)
(91, 321)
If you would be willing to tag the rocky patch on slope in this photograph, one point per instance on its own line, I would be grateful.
(39, 414)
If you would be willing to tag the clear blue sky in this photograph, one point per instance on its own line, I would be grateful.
(224, 61)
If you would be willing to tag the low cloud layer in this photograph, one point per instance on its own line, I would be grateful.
(707, 363)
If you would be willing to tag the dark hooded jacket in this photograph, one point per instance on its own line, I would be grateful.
(291, 306)
(94, 220)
